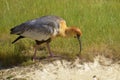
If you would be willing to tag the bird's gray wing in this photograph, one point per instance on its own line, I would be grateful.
(39, 24)
(39, 31)
(19, 29)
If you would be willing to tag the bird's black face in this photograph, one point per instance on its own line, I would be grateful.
(79, 40)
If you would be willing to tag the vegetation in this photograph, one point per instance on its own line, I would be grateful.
(99, 21)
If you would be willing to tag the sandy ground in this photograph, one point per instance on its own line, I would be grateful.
(64, 70)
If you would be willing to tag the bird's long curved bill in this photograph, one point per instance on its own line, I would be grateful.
(79, 40)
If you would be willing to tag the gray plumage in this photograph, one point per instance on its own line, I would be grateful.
(43, 27)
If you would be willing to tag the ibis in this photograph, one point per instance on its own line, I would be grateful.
(44, 29)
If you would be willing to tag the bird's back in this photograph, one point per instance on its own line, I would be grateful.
(46, 19)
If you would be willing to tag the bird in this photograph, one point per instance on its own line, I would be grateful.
(44, 30)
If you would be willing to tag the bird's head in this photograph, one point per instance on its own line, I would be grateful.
(76, 32)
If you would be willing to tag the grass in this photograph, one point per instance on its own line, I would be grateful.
(98, 20)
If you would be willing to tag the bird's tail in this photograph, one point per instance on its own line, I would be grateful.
(17, 29)
(12, 31)
(20, 37)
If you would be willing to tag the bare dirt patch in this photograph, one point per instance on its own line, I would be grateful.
(101, 69)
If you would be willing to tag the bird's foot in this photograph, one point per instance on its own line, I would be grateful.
(33, 59)
(53, 55)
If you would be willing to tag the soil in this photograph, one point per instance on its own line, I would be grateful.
(101, 69)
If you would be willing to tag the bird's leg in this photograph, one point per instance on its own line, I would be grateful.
(35, 51)
(49, 50)
(36, 48)
(48, 47)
